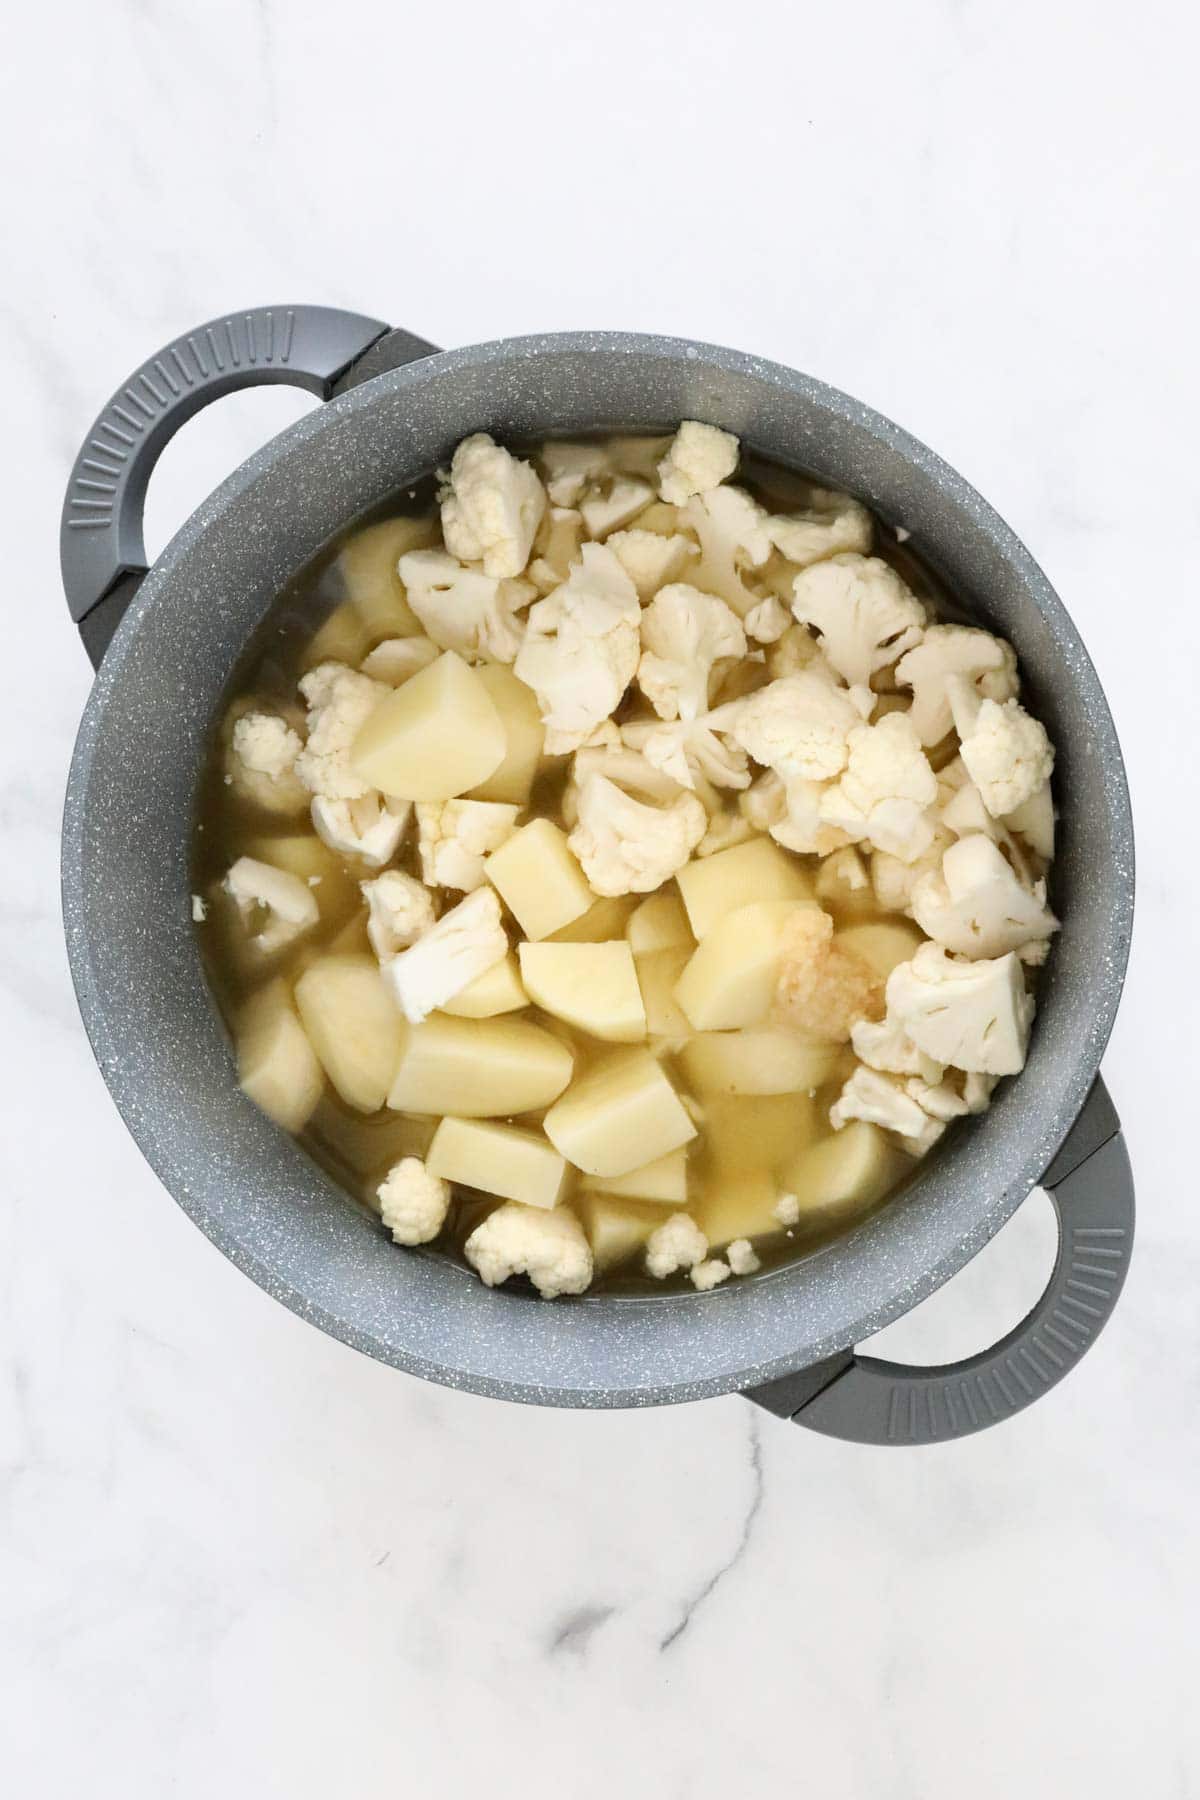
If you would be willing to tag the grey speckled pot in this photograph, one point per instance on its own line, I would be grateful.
(161, 1045)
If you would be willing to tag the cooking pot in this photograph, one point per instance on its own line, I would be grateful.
(165, 640)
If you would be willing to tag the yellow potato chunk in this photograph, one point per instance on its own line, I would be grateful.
(479, 1068)
(523, 734)
(737, 1204)
(844, 1174)
(731, 977)
(497, 990)
(766, 1061)
(433, 738)
(539, 880)
(720, 884)
(658, 974)
(620, 1114)
(277, 1066)
(353, 1025)
(498, 1159)
(342, 638)
(757, 1131)
(881, 943)
(592, 986)
(616, 1229)
(604, 920)
(659, 923)
(665, 1181)
(367, 564)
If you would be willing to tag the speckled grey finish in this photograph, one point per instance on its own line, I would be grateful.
(159, 1040)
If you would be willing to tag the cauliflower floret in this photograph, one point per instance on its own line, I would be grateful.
(678, 1243)
(1006, 752)
(261, 762)
(651, 560)
(866, 615)
(700, 457)
(883, 1045)
(613, 504)
(941, 1099)
(684, 634)
(396, 659)
(626, 847)
(893, 880)
(947, 650)
(690, 752)
(283, 905)
(370, 828)
(463, 609)
(741, 1257)
(339, 701)
(871, 1096)
(886, 789)
(767, 622)
(789, 811)
(491, 508)
(725, 829)
(787, 1209)
(454, 837)
(797, 725)
(968, 1015)
(831, 524)
(548, 1246)
(465, 943)
(627, 767)
(976, 906)
(412, 1202)
(582, 646)
(399, 910)
(555, 548)
(822, 989)
(732, 531)
(569, 468)
(797, 649)
(707, 1275)
(1033, 820)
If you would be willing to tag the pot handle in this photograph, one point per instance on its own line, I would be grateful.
(100, 542)
(868, 1401)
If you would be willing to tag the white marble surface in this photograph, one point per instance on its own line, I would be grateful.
(237, 1558)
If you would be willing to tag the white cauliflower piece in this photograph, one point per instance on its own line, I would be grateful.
(798, 823)
(701, 457)
(975, 904)
(767, 622)
(866, 615)
(831, 524)
(684, 634)
(689, 751)
(627, 767)
(613, 504)
(649, 559)
(399, 910)
(798, 725)
(787, 1209)
(883, 1044)
(732, 531)
(968, 1015)
(797, 649)
(1033, 820)
(466, 942)
(454, 837)
(988, 662)
(261, 762)
(581, 649)
(370, 828)
(570, 467)
(707, 1275)
(548, 1246)
(1006, 752)
(873, 1097)
(627, 847)
(741, 1257)
(396, 659)
(893, 880)
(282, 906)
(463, 609)
(941, 1099)
(339, 701)
(886, 788)
(413, 1203)
(678, 1243)
(725, 829)
(492, 507)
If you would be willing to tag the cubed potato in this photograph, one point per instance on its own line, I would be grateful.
(354, 1026)
(881, 943)
(658, 974)
(603, 921)
(845, 1174)
(367, 563)
(539, 880)
(757, 1131)
(433, 738)
(498, 990)
(659, 923)
(498, 1159)
(730, 978)
(342, 638)
(843, 886)
(616, 1229)
(664, 1181)
(618, 1115)
(517, 706)
(277, 1066)
(479, 1068)
(720, 884)
(302, 853)
(735, 1205)
(766, 1061)
(591, 986)
(663, 519)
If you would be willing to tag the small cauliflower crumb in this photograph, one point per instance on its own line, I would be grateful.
(700, 457)
(678, 1243)
(741, 1257)
(822, 989)
(787, 1209)
(707, 1275)
(199, 910)
(548, 1246)
(412, 1202)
